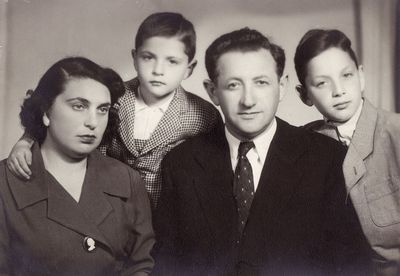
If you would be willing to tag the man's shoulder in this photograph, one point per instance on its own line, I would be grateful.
(313, 142)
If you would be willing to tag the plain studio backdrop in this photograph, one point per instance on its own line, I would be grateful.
(36, 33)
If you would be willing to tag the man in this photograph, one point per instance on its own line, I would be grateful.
(258, 197)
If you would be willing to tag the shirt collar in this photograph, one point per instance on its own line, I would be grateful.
(141, 105)
(346, 129)
(261, 142)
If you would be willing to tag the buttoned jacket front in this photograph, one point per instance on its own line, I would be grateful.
(43, 229)
(372, 172)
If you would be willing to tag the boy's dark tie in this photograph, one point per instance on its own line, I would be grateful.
(243, 186)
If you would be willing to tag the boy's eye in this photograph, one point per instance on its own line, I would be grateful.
(233, 85)
(320, 84)
(146, 57)
(348, 75)
(172, 61)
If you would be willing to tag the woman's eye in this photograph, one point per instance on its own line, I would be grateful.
(104, 110)
(78, 106)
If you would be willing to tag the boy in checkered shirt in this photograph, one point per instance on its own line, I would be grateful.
(156, 113)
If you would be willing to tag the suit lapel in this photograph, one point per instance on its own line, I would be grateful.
(213, 185)
(168, 129)
(361, 146)
(279, 177)
(126, 113)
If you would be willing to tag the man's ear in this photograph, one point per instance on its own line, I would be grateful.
(362, 78)
(211, 91)
(190, 68)
(46, 120)
(134, 56)
(303, 95)
(283, 84)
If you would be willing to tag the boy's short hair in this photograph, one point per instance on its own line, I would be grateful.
(314, 42)
(168, 24)
(243, 40)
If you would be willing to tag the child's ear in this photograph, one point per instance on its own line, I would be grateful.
(190, 68)
(283, 84)
(211, 91)
(301, 90)
(362, 77)
(46, 120)
(134, 56)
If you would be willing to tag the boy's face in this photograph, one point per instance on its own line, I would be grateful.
(334, 84)
(161, 64)
(248, 90)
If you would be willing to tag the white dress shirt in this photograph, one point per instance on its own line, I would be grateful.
(346, 130)
(148, 117)
(257, 154)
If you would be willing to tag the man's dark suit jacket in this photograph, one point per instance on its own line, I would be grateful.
(300, 221)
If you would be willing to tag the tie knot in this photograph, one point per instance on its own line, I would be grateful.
(244, 147)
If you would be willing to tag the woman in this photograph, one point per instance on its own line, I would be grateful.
(80, 213)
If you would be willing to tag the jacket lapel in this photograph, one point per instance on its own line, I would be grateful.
(168, 129)
(126, 113)
(277, 182)
(213, 185)
(361, 146)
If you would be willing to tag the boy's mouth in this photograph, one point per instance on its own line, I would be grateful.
(342, 105)
(156, 83)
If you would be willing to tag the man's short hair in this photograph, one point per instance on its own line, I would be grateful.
(168, 24)
(243, 40)
(316, 41)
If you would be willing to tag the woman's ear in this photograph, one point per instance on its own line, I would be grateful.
(190, 68)
(303, 95)
(46, 120)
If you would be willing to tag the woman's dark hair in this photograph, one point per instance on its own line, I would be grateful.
(53, 82)
(316, 41)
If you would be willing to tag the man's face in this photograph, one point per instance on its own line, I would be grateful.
(248, 90)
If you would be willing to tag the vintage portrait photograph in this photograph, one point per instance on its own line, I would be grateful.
(188, 137)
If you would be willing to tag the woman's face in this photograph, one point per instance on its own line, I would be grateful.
(334, 84)
(78, 118)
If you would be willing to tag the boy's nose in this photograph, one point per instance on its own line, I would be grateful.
(158, 69)
(338, 89)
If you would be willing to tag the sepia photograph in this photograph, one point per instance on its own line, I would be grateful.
(213, 137)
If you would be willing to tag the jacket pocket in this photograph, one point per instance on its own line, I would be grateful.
(383, 201)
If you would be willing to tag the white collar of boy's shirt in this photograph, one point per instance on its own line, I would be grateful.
(141, 105)
(147, 117)
(257, 154)
(346, 129)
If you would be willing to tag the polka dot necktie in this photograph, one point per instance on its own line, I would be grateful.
(243, 186)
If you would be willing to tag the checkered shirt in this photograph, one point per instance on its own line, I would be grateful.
(187, 115)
